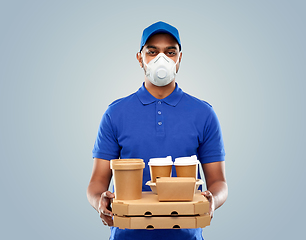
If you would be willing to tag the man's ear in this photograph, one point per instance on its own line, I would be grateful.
(139, 58)
(181, 55)
(179, 62)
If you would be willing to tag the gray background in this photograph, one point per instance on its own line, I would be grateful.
(63, 62)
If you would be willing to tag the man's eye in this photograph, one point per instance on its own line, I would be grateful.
(171, 53)
(151, 52)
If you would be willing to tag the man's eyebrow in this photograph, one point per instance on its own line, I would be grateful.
(154, 47)
(172, 47)
(151, 46)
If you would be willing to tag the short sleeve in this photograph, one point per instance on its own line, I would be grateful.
(211, 148)
(106, 145)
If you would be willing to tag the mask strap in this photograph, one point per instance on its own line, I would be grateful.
(178, 58)
(143, 60)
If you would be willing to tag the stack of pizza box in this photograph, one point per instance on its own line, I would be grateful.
(172, 203)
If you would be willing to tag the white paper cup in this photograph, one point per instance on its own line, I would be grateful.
(187, 166)
(160, 167)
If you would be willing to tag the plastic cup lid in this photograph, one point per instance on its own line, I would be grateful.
(183, 161)
(161, 161)
(118, 164)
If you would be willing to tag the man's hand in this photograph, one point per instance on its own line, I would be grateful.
(216, 185)
(211, 201)
(104, 208)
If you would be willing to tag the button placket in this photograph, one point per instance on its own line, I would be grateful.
(159, 117)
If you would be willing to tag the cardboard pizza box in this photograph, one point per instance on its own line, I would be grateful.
(149, 205)
(163, 222)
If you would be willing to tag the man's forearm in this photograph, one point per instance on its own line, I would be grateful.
(94, 191)
(219, 191)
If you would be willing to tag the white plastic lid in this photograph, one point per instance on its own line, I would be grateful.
(183, 161)
(160, 161)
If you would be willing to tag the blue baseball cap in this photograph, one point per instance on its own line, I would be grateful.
(159, 27)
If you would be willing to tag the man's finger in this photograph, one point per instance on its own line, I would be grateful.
(103, 211)
(103, 221)
(207, 194)
(106, 212)
(107, 221)
(108, 195)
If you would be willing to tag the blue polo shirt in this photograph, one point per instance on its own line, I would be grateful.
(141, 126)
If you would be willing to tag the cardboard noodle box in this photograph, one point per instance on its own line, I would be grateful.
(153, 185)
(175, 188)
(149, 205)
(162, 222)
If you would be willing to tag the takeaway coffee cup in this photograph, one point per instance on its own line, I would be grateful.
(128, 175)
(186, 166)
(160, 167)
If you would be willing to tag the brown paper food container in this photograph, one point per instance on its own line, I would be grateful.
(160, 171)
(175, 188)
(152, 185)
(128, 175)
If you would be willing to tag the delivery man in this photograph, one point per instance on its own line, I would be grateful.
(158, 120)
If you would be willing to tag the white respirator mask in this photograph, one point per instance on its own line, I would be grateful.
(161, 70)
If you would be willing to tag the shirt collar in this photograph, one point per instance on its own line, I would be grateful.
(146, 98)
